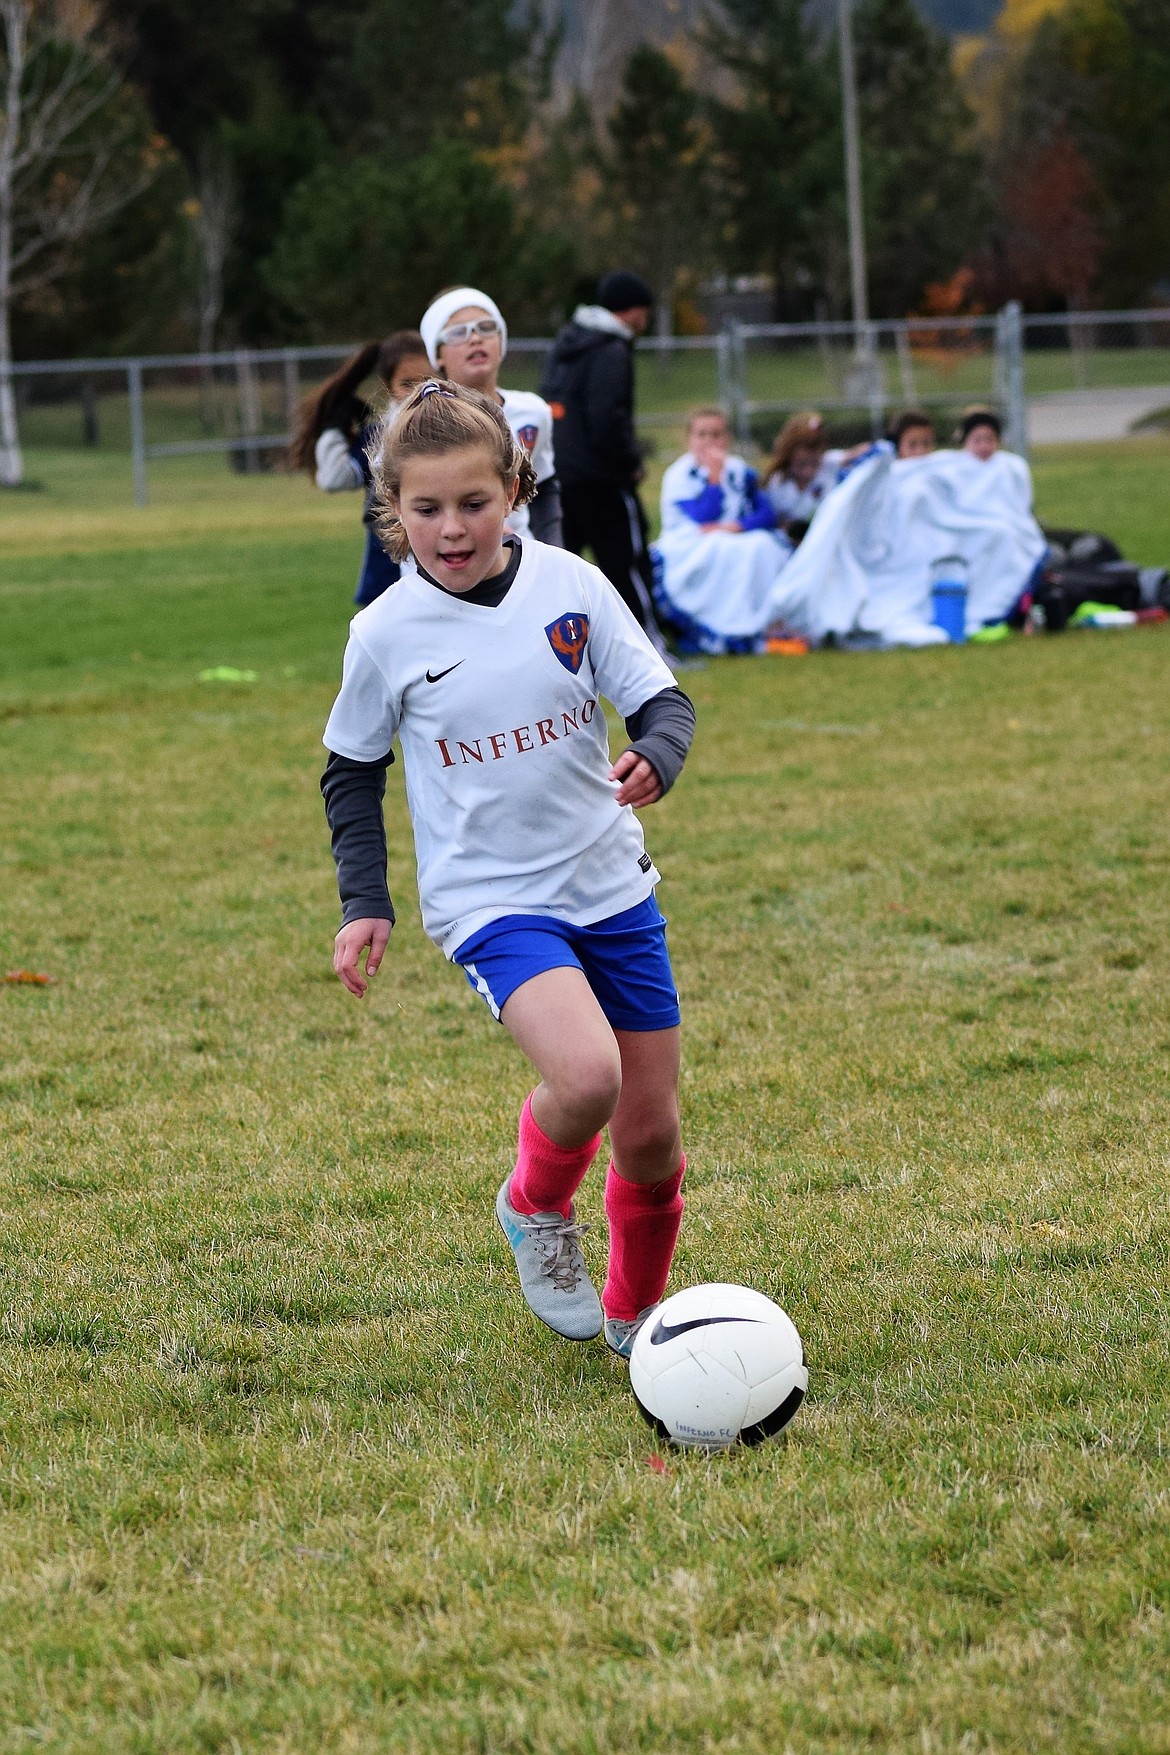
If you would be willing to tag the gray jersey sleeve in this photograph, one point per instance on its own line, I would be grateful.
(662, 730)
(544, 513)
(353, 794)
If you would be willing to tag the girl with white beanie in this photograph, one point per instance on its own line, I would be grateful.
(466, 339)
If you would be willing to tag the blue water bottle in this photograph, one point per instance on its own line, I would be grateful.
(948, 596)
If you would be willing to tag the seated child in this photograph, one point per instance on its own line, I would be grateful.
(718, 556)
(802, 471)
(913, 434)
(979, 433)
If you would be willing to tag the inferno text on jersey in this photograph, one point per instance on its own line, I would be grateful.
(455, 752)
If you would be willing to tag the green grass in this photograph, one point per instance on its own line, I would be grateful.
(285, 1466)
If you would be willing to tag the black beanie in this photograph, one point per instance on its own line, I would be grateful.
(623, 291)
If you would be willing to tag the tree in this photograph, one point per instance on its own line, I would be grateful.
(366, 243)
(1052, 243)
(213, 215)
(657, 147)
(1076, 100)
(926, 205)
(275, 90)
(777, 144)
(74, 150)
(1097, 75)
(781, 151)
(401, 76)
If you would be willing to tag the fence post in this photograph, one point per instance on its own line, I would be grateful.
(90, 430)
(292, 387)
(249, 407)
(137, 430)
(725, 391)
(738, 378)
(865, 379)
(906, 365)
(1009, 337)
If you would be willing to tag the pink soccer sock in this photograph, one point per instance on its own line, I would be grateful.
(547, 1176)
(643, 1230)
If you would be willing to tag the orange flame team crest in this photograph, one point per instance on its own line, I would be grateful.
(567, 637)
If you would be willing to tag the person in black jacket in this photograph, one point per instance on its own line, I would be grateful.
(589, 384)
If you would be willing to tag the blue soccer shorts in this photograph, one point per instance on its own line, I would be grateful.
(624, 959)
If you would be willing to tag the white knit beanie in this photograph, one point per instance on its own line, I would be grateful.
(438, 314)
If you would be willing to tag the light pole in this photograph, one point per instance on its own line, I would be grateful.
(863, 380)
(852, 164)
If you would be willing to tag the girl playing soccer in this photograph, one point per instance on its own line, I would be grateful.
(466, 338)
(488, 663)
(334, 427)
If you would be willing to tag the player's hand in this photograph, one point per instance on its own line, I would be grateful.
(348, 946)
(640, 784)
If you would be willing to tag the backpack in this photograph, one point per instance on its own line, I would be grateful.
(1082, 566)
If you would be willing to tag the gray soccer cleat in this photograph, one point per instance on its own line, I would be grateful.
(553, 1275)
(621, 1335)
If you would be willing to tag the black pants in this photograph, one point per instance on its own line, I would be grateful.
(609, 519)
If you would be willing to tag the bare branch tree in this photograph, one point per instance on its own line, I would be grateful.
(71, 157)
(213, 214)
(215, 224)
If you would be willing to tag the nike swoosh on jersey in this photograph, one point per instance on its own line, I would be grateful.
(664, 1331)
(440, 674)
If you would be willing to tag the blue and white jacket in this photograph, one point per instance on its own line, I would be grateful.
(689, 498)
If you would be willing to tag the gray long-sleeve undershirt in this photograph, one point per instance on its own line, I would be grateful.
(544, 513)
(661, 730)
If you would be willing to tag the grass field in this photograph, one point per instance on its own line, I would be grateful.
(286, 1468)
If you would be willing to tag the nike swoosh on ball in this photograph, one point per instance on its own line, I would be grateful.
(664, 1332)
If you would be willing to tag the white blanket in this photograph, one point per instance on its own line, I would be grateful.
(715, 586)
(864, 569)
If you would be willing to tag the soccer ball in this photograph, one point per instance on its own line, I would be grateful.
(715, 1364)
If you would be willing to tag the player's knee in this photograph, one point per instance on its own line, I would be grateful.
(650, 1144)
(591, 1086)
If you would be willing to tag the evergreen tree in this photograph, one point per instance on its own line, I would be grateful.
(243, 84)
(277, 91)
(567, 172)
(923, 183)
(656, 173)
(777, 145)
(367, 243)
(401, 75)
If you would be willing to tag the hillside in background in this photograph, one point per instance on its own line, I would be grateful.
(598, 35)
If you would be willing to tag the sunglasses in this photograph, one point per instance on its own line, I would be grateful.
(466, 331)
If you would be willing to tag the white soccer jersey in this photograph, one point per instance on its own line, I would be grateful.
(530, 419)
(504, 740)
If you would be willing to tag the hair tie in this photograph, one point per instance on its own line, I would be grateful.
(433, 388)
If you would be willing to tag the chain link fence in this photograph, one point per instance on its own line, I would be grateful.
(1053, 378)
(859, 376)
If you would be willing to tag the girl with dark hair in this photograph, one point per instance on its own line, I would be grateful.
(980, 432)
(913, 434)
(334, 427)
